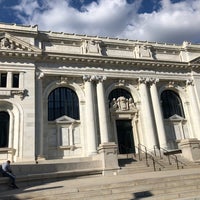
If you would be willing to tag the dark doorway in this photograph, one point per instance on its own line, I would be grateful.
(125, 136)
(4, 129)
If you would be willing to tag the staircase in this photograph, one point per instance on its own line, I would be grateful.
(162, 185)
(136, 179)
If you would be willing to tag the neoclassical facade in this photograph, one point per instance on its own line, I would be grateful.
(64, 95)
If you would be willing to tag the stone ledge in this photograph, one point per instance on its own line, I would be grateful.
(29, 179)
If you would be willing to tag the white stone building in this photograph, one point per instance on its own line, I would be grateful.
(64, 95)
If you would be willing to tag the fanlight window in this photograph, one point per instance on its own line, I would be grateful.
(119, 92)
(63, 101)
(171, 104)
(4, 129)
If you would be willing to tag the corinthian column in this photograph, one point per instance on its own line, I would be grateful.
(90, 116)
(158, 114)
(103, 121)
(195, 114)
(146, 114)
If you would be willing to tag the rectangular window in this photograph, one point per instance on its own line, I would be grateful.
(15, 81)
(3, 80)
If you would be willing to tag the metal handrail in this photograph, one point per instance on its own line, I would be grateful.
(172, 155)
(147, 155)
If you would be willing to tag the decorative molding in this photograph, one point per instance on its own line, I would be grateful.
(12, 92)
(9, 42)
(123, 104)
(143, 51)
(63, 81)
(91, 47)
(190, 82)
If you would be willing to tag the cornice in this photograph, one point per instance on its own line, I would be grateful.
(49, 57)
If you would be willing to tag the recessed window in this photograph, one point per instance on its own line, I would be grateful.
(63, 101)
(171, 104)
(3, 81)
(15, 80)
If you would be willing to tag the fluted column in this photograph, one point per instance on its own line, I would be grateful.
(146, 114)
(90, 115)
(195, 114)
(158, 114)
(103, 121)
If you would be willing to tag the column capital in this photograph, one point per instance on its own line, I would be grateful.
(91, 78)
(101, 79)
(190, 82)
(40, 75)
(87, 78)
(143, 80)
(153, 81)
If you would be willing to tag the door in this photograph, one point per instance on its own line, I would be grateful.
(125, 136)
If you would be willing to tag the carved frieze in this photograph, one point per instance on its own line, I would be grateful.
(91, 47)
(9, 42)
(143, 51)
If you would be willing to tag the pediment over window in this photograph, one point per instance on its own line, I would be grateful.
(12, 43)
(176, 118)
(65, 119)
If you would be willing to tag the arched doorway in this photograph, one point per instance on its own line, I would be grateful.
(4, 129)
(123, 109)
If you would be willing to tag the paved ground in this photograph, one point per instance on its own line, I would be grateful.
(59, 187)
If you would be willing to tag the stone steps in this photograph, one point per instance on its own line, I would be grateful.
(134, 181)
(154, 187)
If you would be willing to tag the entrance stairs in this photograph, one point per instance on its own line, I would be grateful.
(135, 180)
(133, 164)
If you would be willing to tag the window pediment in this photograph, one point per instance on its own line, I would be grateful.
(65, 119)
(176, 118)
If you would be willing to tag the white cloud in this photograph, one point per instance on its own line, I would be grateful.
(173, 22)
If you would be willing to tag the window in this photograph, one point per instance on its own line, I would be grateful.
(171, 104)
(4, 129)
(63, 101)
(119, 92)
(3, 81)
(15, 80)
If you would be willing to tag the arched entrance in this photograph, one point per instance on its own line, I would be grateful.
(4, 129)
(123, 110)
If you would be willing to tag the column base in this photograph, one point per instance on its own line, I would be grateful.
(190, 149)
(108, 155)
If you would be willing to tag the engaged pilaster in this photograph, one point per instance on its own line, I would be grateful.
(39, 117)
(195, 114)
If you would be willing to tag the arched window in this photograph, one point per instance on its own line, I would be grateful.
(4, 128)
(171, 104)
(63, 101)
(119, 92)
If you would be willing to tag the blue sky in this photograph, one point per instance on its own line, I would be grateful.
(170, 21)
